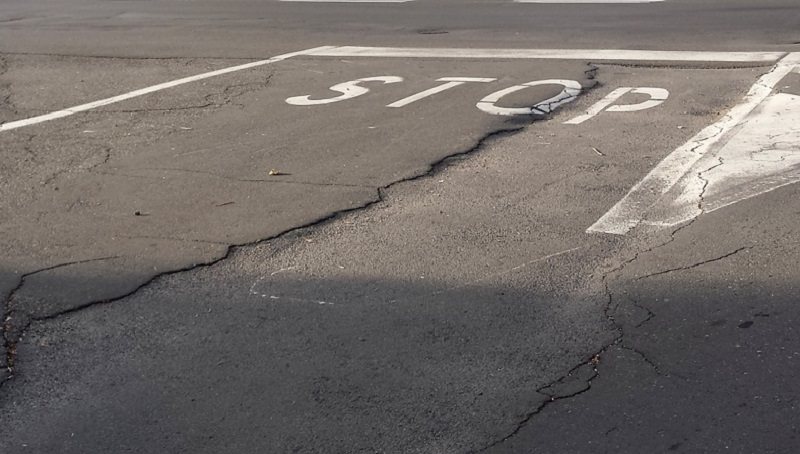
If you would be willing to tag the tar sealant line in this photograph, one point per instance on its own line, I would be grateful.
(631, 210)
(154, 88)
(554, 54)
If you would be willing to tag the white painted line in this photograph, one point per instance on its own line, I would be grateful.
(348, 1)
(586, 1)
(451, 82)
(551, 54)
(136, 93)
(632, 209)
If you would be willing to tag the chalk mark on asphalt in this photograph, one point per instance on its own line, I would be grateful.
(256, 292)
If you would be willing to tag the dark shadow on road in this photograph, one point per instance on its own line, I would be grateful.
(241, 358)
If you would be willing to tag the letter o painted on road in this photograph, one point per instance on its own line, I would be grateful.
(570, 92)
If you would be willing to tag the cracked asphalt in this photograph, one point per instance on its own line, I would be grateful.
(210, 269)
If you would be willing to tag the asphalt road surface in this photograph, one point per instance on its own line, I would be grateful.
(428, 226)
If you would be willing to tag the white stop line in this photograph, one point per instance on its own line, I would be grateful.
(348, 1)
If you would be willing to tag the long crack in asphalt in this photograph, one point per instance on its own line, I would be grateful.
(578, 380)
(12, 333)
(593, 361)
(581, 376)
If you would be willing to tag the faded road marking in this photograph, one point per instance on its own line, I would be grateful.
(266, 294)
(586, 1)
(348, 1)
(290, 299)
(512, 269)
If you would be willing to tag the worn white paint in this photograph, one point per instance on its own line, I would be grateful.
(762, 155)
(657, 97)
(348, 1)
(254, 290)
(551, 54)
(504, 272)
(779, 114)
(152, 89)
(348, 90)
(450, 82)
(570, 91)
(584, 1)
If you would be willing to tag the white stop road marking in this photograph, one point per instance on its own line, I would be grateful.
(451, 83)
(355, 51)
(631, 210)
(352, 89)
(570, 91)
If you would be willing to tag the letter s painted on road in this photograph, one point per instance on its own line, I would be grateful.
(348, 90)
